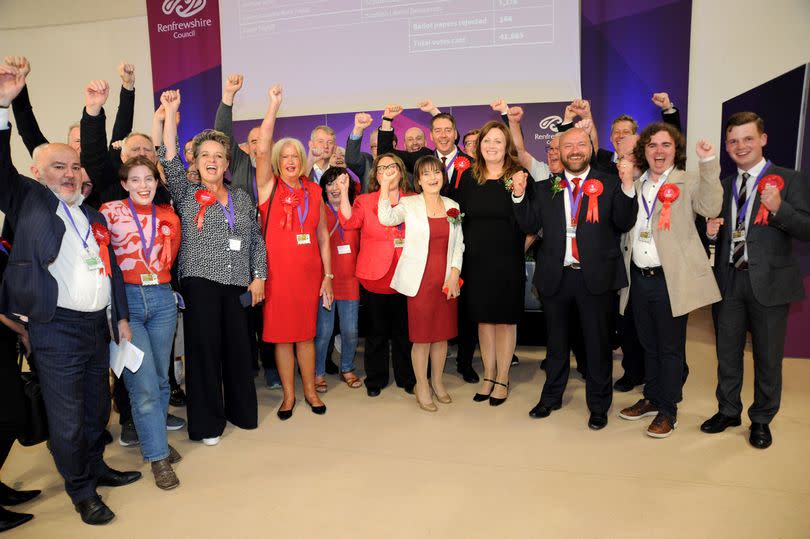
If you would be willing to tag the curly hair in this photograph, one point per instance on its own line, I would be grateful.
(647, 134)
(216, 136)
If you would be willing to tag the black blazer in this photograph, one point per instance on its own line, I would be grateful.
(598, 243)
(28, 287)
(773, 268)
(385, 144)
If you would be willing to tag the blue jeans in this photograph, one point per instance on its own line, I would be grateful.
(348, 310)
(153, 319)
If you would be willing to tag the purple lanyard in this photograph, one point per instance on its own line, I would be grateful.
(229, 213)
(575, 202)
(302, 216)
(337, 222)
(147, 251)
(650, 209)
(449, 165)
(741, 212)
(255, 187)
(86, 236)
(3, 248)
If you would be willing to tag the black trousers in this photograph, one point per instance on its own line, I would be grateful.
(219, 372)
(388, 322)
(663, 338)
(72, 358)
(739, 311)
(632, 352)
(594, 312)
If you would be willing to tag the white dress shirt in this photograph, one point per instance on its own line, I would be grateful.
(749, 194)
(539, 170)
(318, 172)
(569, 258)
(448, 159)
(645, 253)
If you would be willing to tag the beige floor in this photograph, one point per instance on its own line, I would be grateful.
(384, 468)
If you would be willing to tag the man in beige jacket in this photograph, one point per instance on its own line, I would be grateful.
(669, 273)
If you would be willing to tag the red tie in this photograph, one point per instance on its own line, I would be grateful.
(574, 218)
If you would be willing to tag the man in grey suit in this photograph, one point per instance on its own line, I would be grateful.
(764, 208)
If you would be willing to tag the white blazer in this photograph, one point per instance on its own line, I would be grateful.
(411, 266)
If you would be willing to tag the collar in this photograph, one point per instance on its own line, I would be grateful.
(661, 179)
(584, 174)
(449, 156)
(755, 170)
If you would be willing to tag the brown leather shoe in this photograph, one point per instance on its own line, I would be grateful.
(165, 477)
(661, 426)
(642, 408)
(174, 457)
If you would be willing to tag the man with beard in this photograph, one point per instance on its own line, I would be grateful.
(580, 265)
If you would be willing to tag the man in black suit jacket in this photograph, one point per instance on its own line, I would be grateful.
(757, 272)
(579, 264)
(58, 280)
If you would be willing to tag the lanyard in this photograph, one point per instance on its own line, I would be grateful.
(70, 216)
(575, 203)
(650, 209)
(449, 164)
(741, 211)
(255, 187)
(229, 213)
(337, 222)
(302, 216)
(147, 251)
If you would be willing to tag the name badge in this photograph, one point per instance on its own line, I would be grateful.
(344, 249)
(645, 236)
(93, 262)
(149, 279)
(235, 244)
(570, 232)
(399, 243)
(738, 235)
(302, 239)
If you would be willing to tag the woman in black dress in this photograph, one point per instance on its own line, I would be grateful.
(493, 271)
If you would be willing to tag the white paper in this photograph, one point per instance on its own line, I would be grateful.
(124, 355)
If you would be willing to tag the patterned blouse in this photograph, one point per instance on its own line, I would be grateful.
(211, 252)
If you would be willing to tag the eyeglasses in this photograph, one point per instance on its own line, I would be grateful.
(384, 168)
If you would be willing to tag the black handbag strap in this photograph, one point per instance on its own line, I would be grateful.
(269, 206)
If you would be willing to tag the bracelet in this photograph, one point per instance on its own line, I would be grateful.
(387, 119)
(328, 275)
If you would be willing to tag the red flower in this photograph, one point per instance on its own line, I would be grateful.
(453, 213)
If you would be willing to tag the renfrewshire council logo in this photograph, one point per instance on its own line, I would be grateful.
(183, 8)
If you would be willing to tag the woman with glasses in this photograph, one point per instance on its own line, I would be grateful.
(380, 249)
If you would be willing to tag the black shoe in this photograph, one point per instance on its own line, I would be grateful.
(9, 496)
(495, 401)
(541, 410)
(719, 422)
(319, 410)
(625, 384)
(481, 397)
(408, 389)
(597, 421)
(543, 364)
(106, 437)
(284, 415)
(760, 436)
(177, 397)
(331, 367)
(10, 519)
(373, 391)
(468, 374)
(515, 361)
(114, 478)
(94, 511)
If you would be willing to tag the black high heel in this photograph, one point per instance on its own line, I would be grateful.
(320, 410)
(495, 401)
(284, 415)
(480, 397)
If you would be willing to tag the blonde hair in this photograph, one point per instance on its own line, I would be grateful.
(275, 155)
(205, 136)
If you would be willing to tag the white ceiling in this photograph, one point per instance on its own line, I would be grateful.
(18, 14)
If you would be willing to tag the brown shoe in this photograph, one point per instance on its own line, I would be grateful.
(661, 426)
(165, 477)
(174, 457)
(642, 408)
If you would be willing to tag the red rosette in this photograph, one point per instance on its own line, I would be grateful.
(289, 201)
(102, 236)
(592, 189)
(773, 180)
(204, 198)
(453, 213)
(667, 194)
(461, 164)
(166, 231)
(6, 245)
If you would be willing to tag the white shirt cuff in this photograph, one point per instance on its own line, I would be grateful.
(707, 159)
(4, 119)
(631, 192)
(518, 200)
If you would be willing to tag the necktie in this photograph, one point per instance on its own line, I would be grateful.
(444, 162)
(738, 252)
(574, 218)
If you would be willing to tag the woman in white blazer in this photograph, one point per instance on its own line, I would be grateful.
(428, 273)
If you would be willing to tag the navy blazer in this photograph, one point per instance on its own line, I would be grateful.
(28, 287)
(598, 243)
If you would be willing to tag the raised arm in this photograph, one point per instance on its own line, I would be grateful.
(385, 139)
(669, 113)
(176, 179)
(126, 103)
(264, 168)
(387, 215)
(707, 199)
(95, 158)
(515, 115)
(426, 105)
(12, 185)
(27, 125)
(354, 157)
(224, 118)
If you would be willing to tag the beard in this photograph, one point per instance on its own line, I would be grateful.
(576, 168)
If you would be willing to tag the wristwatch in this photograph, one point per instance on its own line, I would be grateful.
(328, 275)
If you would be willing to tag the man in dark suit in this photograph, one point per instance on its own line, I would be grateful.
(58, 279)
(757, 272)
(579, 264)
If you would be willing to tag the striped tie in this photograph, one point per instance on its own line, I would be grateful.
(738, 253)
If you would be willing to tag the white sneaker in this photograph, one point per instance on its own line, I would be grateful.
(211, 441)
(337, 343)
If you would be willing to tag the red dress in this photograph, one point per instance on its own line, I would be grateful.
(344, 244)
(294, 269)
(431, 316)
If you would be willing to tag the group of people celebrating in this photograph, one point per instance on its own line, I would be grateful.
(275, 261)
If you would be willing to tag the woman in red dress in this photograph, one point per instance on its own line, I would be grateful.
(428, 272)
(293, 222)
(380, 249)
